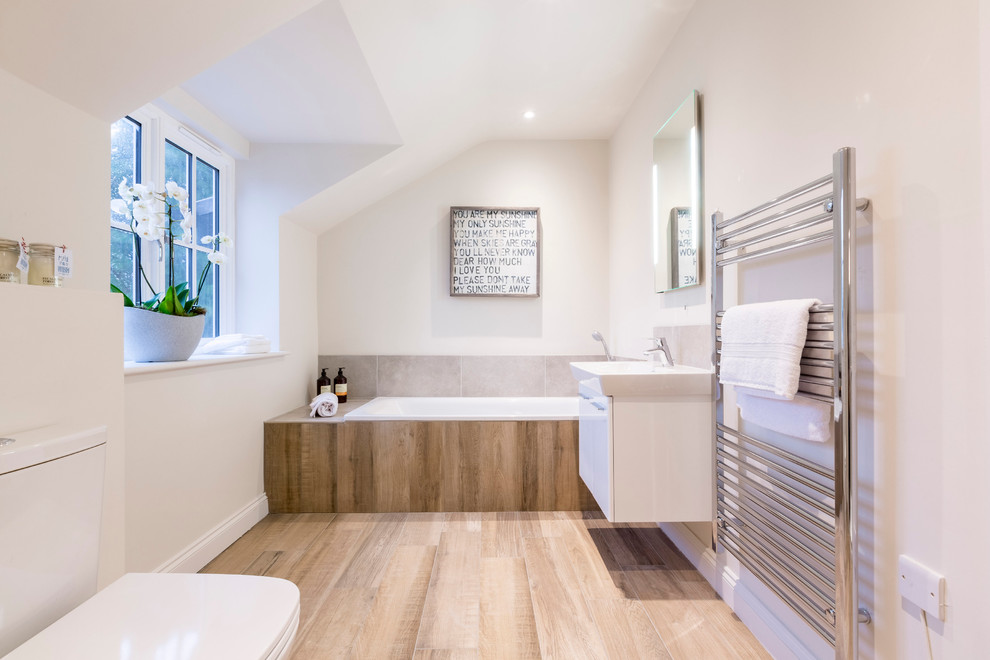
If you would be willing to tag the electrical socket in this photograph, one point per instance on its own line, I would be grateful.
(922, 586)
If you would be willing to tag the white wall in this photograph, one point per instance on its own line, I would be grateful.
(192, 467)
(63, 365)
(784, 85)
(188, 471)
(277, 178)
(62, 350)
(192, 472)
(384, 273)
(53, 189)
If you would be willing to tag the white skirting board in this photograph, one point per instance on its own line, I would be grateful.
(764, 623)
(204, 550)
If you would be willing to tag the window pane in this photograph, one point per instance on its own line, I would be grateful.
(182, 262)
(178, 163)
(122, 270)
(125, 156)
(207, 202)
(207, 297)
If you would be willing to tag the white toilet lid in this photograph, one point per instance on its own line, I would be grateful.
(173, 616)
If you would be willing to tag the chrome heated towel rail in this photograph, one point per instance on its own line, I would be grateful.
(789, 520)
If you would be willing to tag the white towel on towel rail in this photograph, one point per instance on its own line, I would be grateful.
(323, 405)
(762, 345)
(808, 419)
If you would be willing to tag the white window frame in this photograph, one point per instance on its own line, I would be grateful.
(157, 127)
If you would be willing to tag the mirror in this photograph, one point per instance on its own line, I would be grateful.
(677, 209)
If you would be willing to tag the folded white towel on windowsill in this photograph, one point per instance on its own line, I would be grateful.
(236, 344)
(324, 405)
(762, 345)
(801, 417)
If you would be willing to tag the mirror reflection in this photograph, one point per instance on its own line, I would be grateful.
(677, 198)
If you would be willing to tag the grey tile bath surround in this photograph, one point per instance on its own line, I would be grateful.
(369, 376)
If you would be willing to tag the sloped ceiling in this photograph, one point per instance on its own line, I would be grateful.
(304, 82)
(108, 57)
(423, 79)
(457, 73)
(434, 78)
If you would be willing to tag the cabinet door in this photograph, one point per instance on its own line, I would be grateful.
(594, 450)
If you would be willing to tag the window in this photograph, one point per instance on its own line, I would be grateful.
(152, 148)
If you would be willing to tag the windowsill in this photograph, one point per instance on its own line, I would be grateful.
(195, 362)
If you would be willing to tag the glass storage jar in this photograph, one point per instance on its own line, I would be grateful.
(10, 252)
(41, 269)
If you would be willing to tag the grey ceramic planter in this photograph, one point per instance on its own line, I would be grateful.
(154, 337)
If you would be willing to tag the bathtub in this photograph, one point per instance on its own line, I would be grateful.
(477, 409)
(457, 454)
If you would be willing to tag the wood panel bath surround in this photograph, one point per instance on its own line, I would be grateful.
(403, 466)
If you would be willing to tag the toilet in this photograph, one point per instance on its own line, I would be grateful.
(51, 496)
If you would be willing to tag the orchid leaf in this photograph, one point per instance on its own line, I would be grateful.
(170, 303)
(127, 301)
(153, 303)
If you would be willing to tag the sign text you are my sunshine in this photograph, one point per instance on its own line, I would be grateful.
(494, 251)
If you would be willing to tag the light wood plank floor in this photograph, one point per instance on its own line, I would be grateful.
(489, 585)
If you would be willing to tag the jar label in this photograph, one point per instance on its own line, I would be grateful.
(10, 277)
(23, 258)
(340, 388)
(63, 262)
(50, 281)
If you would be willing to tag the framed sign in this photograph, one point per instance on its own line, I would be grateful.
(494, 251)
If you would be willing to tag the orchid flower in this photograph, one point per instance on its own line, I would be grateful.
(176, 192)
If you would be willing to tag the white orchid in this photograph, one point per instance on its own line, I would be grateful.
(142, 191)
(176, 192)
(218, 240)
(148, 230)
(153, 216)
(120, 207)
(187, 229)
(143, 211)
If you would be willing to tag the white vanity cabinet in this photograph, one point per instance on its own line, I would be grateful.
(647, 458)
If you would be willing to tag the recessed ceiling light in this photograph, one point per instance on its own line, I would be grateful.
(529, 114)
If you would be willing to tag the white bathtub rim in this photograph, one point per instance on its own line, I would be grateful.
(466, 409)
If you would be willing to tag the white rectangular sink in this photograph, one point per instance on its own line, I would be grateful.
(648, 379)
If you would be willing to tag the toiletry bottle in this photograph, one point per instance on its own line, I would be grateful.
(324, 384)
(340, 386)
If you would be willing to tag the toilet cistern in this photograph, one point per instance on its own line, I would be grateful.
(659, 346)
(597, 336)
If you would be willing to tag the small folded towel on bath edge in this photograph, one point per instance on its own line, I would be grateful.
(801, 417)
(762, 345)
(324, 405)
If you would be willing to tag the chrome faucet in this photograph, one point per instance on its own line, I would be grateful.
(660, 346)
(597, 336)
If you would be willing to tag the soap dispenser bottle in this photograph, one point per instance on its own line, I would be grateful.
(324, 384)
(340, 386)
